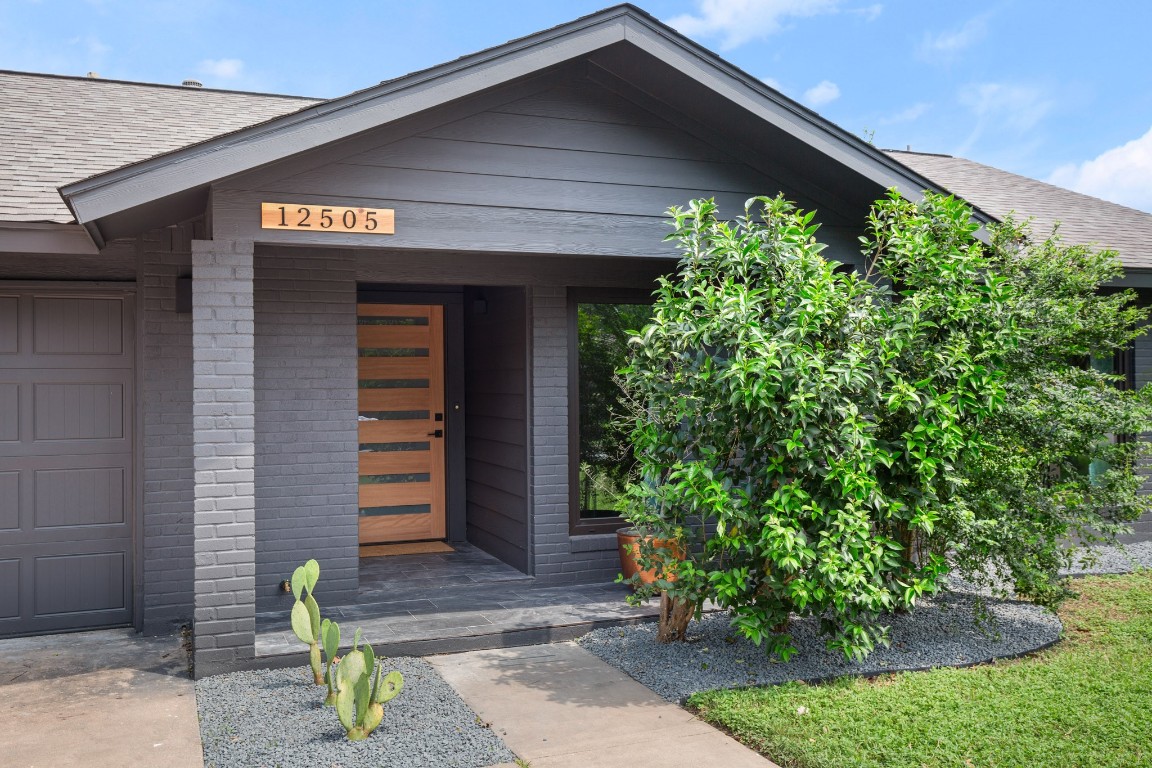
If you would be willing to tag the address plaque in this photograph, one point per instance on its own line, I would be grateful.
(327, 218)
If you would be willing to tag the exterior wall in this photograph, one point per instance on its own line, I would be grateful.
(562, 166)
(306, 422)
(496, 424)
(167, 461)
(559, 557)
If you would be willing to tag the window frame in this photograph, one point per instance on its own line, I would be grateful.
(578, 526)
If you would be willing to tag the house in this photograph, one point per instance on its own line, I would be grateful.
(241, 330)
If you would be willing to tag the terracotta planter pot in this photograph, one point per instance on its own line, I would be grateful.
(628, 542)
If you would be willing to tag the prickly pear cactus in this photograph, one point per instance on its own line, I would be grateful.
(330, 637)
(362, 689)
(306, 614)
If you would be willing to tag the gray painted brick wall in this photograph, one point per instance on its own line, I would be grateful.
(223, 433)
(166, 452)
(307, 481)
(558, 557)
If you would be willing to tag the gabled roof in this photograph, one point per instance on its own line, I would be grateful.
(1084, 220)
(180, 174)
(55, 130)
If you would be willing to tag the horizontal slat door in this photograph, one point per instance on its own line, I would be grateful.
(401, 380)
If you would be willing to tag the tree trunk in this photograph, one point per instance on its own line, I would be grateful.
(674, 617)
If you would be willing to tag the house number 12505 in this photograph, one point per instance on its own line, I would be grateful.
(327, 218)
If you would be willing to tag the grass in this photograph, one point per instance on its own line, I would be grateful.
(1085, 702)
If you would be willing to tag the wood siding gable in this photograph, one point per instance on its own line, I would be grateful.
(570, 167)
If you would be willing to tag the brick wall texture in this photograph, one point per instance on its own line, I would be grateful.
(223, 434)
(306, 428)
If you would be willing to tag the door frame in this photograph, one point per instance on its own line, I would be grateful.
(452, 299)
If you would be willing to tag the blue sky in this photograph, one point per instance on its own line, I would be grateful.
(1056, 90)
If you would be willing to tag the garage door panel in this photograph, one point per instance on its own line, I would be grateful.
(70, 584)
(70, 325)
(78, 411)
(9, 325)
(9, 501)
(66, 458)
(80, 497)
(10, 595)
(9, 411)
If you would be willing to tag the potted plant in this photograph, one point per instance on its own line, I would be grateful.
(632, 541)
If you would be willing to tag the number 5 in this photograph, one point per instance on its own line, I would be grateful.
(325, 218)
(370, 222)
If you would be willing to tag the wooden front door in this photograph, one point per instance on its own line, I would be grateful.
(401, 378)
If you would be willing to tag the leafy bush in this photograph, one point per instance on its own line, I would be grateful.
(815, 439)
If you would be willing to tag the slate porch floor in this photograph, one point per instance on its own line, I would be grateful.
(464, 600)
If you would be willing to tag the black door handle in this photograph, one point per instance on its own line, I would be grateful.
(437, 433)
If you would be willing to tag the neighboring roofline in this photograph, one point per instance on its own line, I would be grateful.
(1029, 179)
(169, 86)
(198, 165)
(45, 238)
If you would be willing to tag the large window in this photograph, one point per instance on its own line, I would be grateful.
(600, 448)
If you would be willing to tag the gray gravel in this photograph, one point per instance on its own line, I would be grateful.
(940, 632)
(276, 719)
(1110, 559)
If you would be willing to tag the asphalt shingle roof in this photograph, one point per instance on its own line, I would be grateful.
(1084, 220)
(55, 130)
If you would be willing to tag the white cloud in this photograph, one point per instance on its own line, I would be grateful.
(1019, 107)
(225, 69)
(1002, 107)
(737, 22)
(824, 92)
(948, 44)
(908, 114)
(772, 83)
(870, 12)
(1122, 174)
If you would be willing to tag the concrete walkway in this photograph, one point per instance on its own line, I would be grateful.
(97, 699)
(558, 706)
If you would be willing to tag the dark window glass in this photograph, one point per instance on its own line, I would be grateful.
(605, 451)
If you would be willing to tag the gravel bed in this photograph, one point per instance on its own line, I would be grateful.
(1112, 559)
(941, 632)
(276, 719)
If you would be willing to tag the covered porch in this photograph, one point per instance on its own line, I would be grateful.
(460, 600)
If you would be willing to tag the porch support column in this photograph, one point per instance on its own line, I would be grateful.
(224, 627)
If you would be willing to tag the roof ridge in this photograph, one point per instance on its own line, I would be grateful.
(139, 83)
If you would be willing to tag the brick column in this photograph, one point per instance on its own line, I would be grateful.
(224, 630)
(548, 440)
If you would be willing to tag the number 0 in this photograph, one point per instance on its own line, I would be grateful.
(349, 224)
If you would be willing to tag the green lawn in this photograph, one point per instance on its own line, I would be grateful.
(1085, 702)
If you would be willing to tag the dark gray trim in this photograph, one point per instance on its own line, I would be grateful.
(201, 164)
(1133, 278)
(36, 237)
(451, 298)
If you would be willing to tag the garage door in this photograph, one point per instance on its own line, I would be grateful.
(66, 502)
